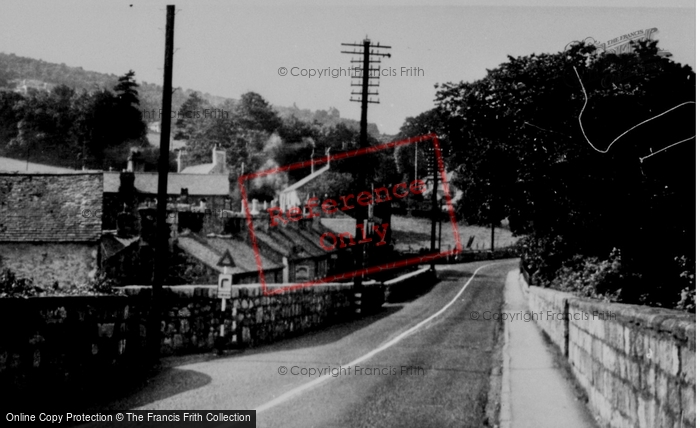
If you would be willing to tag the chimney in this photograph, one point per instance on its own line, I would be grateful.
(184, 195)
(180, 161)
(126, 224)
(255, 210)
(134, 163)
(148, 224)
(285, 271)
(218, 158)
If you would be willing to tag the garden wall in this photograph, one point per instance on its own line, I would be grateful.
(67, 340)
(636, 363)
(72, 340)
(192, 315)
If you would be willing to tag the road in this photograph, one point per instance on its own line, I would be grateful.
(424, 363)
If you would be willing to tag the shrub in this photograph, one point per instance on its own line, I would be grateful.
(595, 278)
(542, 256)
(12, 286)
(687, 278)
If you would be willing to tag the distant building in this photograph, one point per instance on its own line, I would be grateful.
(133, 188)
(25, 85)
(217, 165)
(455, 193)
(208, 250)
(50, 226)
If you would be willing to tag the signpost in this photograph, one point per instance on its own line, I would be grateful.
(225, 282)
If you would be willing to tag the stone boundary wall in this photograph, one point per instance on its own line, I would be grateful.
(192, 315)
(68, 340)
(410, 285)
(71, 341)
(636, 363)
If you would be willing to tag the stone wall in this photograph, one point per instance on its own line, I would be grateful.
(63, 262)
(410, 285)
(192, 315)
(74, 341)
(68, 340)
(636, 363)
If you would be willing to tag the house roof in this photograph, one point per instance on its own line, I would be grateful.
(196, 184)
(51, 207)
(199, 169)
(112, 244)
(16, 165)
(210, 250)
(306, 179)
(298, 238)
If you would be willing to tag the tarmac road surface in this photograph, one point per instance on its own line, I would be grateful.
(423, 363)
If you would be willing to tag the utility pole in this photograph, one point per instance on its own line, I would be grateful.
(162, 229)
(368, 52)
(434, 208)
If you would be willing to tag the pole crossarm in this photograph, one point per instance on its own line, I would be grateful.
(370, 54)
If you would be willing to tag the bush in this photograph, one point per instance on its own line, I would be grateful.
(549, 262)
(595, 278)
(542, 256)
(12, 286)
(687, 278)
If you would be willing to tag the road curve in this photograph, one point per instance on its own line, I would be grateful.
(424, 363)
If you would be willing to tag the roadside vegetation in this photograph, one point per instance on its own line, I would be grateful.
(555, 143)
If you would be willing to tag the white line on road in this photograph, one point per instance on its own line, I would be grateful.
(298, 390)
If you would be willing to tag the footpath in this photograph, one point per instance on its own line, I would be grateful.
(535, 392)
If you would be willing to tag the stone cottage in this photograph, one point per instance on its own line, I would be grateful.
(50, 226)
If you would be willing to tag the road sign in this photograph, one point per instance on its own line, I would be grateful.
(226, 260)
(225, 286)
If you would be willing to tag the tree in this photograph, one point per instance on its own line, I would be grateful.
(255, 113)
(126, 89)
(126, 113)
(9, 117)
(430, 122)
(519, 127)
(191, 122)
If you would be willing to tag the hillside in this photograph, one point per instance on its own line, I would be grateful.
(16, 71)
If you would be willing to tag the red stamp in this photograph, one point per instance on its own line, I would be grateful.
(277, 216)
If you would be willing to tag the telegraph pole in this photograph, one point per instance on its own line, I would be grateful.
(371, 54)
(434, 208)
(162, 232)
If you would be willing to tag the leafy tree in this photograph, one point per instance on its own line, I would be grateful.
(9, 117)
(42, 131)
(521, 153)
(191, 122)
(255, 113)
(430, 122)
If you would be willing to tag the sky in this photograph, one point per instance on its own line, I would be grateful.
(229, 48)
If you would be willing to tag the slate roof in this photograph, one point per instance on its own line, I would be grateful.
(51, 207)
(16, 165)
(112, 244)
(199, 169)
(306, 179)
(197, 184)
(210, 250)
(305, 242)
